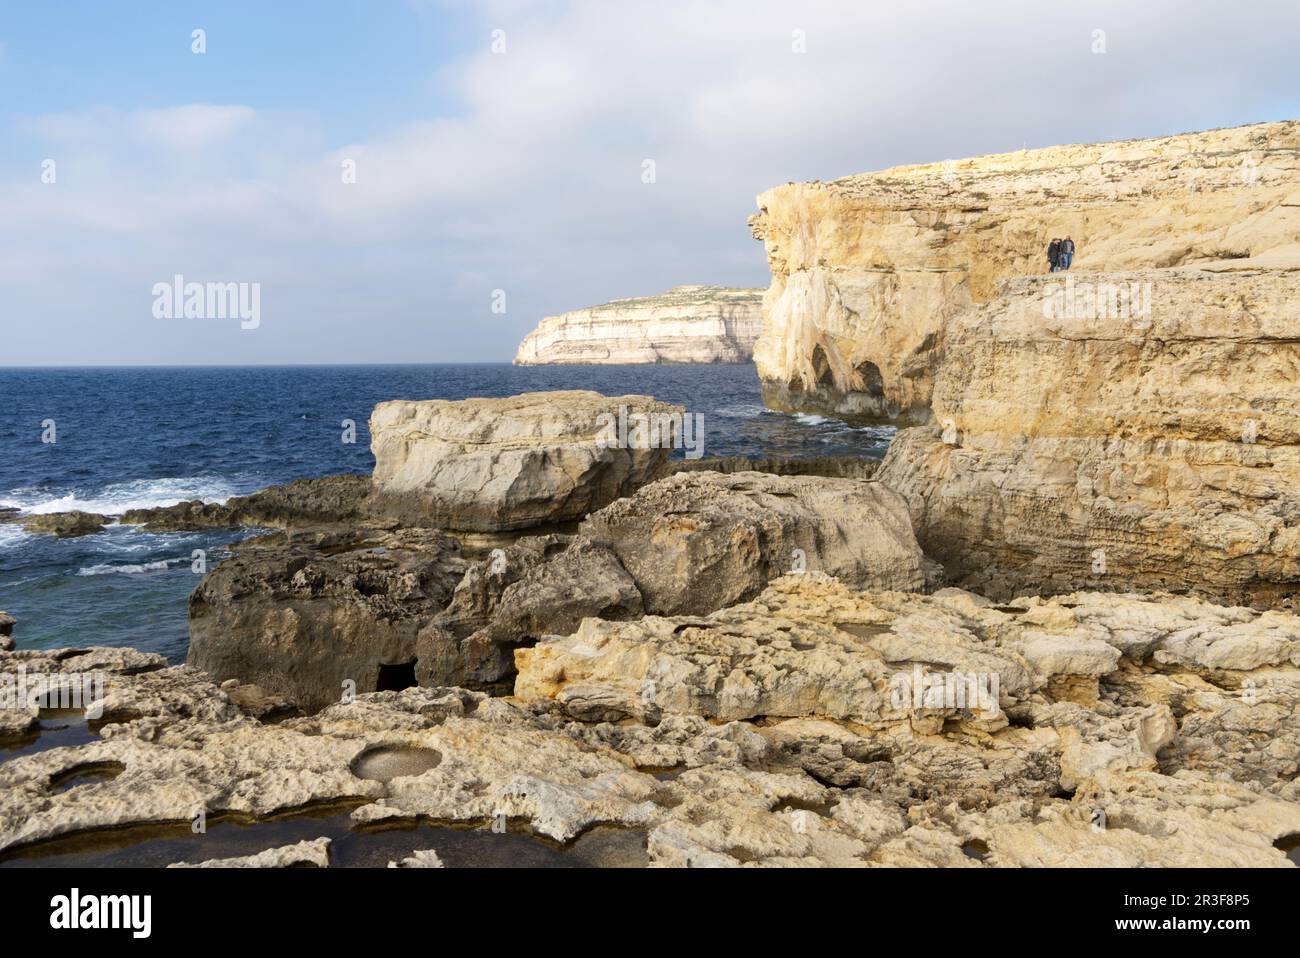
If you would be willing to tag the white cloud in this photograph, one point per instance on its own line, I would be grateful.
(190, 127)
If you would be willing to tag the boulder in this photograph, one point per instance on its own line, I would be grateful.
(7, 623)
(539, 585)
(699, 541)
(66, 525)
(312, 616)
(486, 465)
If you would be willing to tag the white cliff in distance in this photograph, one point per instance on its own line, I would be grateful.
(687, 324)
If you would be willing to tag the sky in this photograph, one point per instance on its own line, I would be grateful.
(424, 180)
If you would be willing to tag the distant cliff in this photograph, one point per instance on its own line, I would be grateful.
(687, 324)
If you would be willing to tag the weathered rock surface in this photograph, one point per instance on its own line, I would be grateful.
(1153, 452)
(502, 464)
(687, 324)
(869, 271)
(302, 614)
(66, 525)
(699, 541)
(7, 623)
(304, 502)
(1102, 782)
(832, 467)
(536, 586)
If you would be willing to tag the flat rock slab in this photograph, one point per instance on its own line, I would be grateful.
(486, 465)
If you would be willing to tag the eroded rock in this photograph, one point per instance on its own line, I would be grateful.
(66, 525)
(699, 541)
(488, 465)
(314, 616)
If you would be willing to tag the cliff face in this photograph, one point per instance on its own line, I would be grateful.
(687, 324)
(1093, 448)
(868, 272)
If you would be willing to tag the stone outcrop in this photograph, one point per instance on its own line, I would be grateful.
(869, 271)
(700, 541)
(294, 617)
(1078, 447)
(490, 465)
(304, 615)
(331, 500)
(66, 525)
(7, 623)
(687, 324)
(536, 586)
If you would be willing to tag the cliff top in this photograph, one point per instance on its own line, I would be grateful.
(678, 296)
(1234, 157)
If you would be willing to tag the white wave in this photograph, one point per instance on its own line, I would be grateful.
(119, 497)
(742, 410)
(11, 535)
(809, 419)
(106, 569)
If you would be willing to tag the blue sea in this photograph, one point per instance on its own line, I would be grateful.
(140, 437)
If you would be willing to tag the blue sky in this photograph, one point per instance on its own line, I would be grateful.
(518, 169)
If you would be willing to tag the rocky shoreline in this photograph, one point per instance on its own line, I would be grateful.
(710, 664)
(1056, 627)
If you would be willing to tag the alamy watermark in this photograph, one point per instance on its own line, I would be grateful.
(181, 300)
(920, 689)
(1085, 300)
(652, 430)
(61, 690)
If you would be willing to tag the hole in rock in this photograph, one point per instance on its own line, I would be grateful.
(976, 849)
(872, 381)
(85, 774)
(822, 371)
(1290, 845)
(387, 762)
(863, 630)
(394, 678)
(822, 809)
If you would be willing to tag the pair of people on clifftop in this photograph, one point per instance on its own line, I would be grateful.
(1060, 254)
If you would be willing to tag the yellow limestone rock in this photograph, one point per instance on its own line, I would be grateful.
(869, 271)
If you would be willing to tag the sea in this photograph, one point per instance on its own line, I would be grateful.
(127, 438)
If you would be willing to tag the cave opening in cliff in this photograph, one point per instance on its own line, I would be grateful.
(395, 677)
(872, 381)
(822, 368)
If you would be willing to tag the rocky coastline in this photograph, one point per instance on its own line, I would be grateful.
(1056, 627)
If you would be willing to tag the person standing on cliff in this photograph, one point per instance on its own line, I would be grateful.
(1066, 255)
(1053, 253)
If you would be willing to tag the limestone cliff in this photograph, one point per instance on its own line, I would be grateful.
(869, 271)
(1080, 445)
(687, 324)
